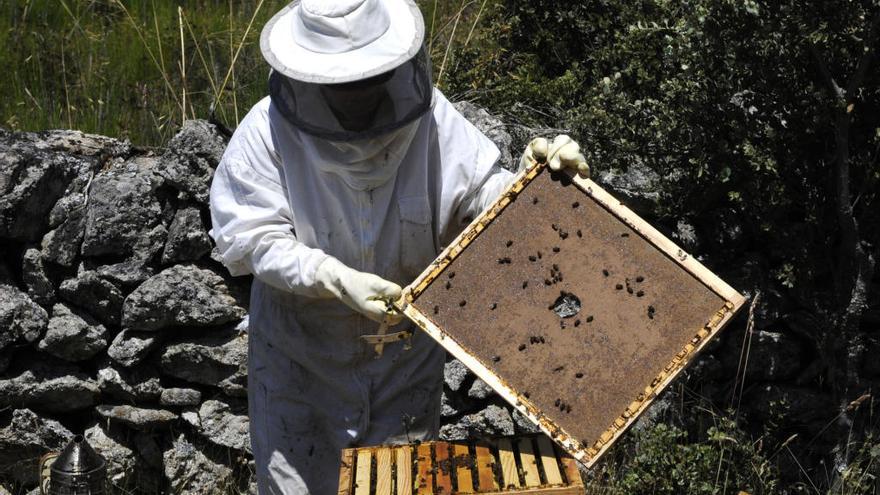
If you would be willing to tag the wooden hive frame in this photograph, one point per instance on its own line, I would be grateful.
(510, 465)
(586, 452)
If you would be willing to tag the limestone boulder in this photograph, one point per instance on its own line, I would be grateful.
(20, 317)
(183, 295)
(94, 294)
(73, 335)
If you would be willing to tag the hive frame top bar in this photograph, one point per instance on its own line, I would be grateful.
(587, 454)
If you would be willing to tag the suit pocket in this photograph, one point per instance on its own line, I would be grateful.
(417, 247)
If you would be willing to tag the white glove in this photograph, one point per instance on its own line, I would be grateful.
(363, 292)
(563, 152)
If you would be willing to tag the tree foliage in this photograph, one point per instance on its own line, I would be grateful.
(761, 120)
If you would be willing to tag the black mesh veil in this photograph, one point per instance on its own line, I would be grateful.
(359, 109)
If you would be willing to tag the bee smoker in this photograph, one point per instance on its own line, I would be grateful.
(77, 470)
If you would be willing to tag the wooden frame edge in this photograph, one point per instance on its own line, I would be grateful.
(733, 303)
(663, 243)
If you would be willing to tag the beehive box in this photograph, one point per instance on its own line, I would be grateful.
(570, 306)
(526, 464)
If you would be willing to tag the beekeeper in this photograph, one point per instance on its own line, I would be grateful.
(334, 191)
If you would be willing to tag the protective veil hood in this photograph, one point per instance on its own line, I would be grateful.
(348, 70)
(362, 164)
(360, 109)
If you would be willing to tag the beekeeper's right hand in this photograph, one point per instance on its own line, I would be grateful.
(363, 292)
(562, 152)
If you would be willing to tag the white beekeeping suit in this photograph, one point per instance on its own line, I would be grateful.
(300, 189)
(339, 188)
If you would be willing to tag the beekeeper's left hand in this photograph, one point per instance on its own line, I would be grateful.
(365, 293)
(563, 152)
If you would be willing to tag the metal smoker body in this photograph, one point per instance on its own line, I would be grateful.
(77, 470)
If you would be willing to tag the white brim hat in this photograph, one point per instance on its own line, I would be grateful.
(338, 41)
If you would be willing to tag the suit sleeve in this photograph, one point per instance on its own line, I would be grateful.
(472, 176)
(252, 224)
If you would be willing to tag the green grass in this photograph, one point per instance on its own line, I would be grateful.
(136, 68)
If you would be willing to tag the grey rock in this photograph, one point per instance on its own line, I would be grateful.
(522, 423)
(491, 421)
(188, 470)
(130, 347)
(493, 128)
(126, 274)
(215, 256)
(219, 424)
(480, 390)
(454, 374)
(73, 336)
(149, 246)
(94, 294)
(20, 317)
(31, 181)
(138, 385)
(180, 397)
(180, 295)
(123, 209)
(190, 158)
(447, 407)
(187, 237)
(62, 244)
(71, 204)
(658, 411)
(23, 440)
(74, 142)
(36, 280)
(50, 388)
(121, 460)
(219, 360)
(638, 186)
(138, 418)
